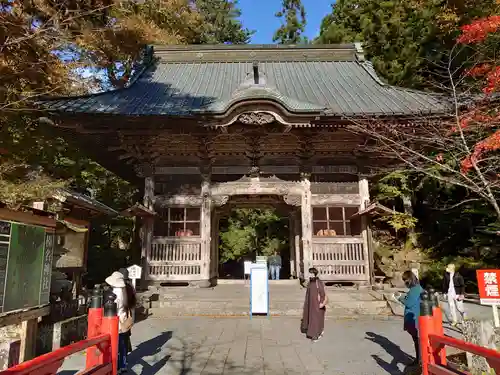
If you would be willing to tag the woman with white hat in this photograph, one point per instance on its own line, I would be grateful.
(125, 319)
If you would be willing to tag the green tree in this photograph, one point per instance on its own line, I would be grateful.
(221, 23)
(293, 15)
(247, 231)
(409, 42)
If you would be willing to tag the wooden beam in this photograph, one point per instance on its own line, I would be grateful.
(17, 317)
(27, 218)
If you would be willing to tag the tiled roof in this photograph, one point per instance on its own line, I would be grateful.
(188, 80)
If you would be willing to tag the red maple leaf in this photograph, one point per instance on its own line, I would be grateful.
(479, 30)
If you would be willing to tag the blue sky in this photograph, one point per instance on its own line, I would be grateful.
(259, 15)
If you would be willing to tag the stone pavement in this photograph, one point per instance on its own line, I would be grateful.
(271, 346)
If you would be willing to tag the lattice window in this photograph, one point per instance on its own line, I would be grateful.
(178, 222)
(335, 221)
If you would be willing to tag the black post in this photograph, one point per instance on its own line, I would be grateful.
(110, 308)
(433, 297)
(425, 304)
(96, 297)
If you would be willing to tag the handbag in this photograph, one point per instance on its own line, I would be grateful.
(127, 324)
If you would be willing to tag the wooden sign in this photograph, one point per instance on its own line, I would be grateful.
(26, 253)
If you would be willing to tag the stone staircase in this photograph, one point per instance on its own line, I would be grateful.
(285, 299)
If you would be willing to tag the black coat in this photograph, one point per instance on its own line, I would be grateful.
(458, 282)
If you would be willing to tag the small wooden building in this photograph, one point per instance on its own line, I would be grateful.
(203, 128)
(74, 212)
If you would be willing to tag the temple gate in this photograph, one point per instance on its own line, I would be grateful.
(200, 127)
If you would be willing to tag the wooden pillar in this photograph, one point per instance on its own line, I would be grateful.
(306, 216)
(291, 245)
(147, 225)
(364, 194)
(206, 221)
(28, 339)
(299, 260)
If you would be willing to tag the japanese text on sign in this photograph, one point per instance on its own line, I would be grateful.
(487, 282)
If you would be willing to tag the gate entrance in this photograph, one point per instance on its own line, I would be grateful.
(202, 125)
(249, 226)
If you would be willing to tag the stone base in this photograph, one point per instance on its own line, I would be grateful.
(201, 284)
(10, 350)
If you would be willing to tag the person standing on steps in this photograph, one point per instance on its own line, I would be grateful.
(275, 265)
(313, 316)
(454, 289)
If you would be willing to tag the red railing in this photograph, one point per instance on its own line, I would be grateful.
(433, 343)
(101, 346)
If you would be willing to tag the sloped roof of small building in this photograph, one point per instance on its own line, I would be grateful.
(330, 80)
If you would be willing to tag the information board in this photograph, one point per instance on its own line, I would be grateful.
(26, 253)
(488, 282)
(259, 289)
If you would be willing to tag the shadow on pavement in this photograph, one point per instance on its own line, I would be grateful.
(398, 355)
(149, 348)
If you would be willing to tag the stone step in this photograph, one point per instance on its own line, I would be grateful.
(177, 308)
(234, 300)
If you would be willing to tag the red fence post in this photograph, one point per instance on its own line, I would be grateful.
(437, 314)
(94, 321)
(425, 327)
(110, 325)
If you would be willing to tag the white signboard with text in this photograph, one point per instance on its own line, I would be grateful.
(134, 273)
(259, 289)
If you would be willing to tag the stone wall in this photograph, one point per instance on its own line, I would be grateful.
(480, 332)
(10, 346)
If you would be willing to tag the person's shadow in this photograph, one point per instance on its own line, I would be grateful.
(147, 349)
(398, 355)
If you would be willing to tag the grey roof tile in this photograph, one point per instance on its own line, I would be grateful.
(321, 84)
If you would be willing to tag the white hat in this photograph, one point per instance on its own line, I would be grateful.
(116, 280)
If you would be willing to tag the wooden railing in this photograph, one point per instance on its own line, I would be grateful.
(174, 259)
(340, 258)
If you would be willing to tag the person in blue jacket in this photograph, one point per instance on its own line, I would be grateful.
(411, 301)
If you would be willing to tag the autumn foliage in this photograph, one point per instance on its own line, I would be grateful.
(483, 118)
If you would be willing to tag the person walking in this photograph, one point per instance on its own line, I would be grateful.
(125, 320)
(411, 302)
(131, 302)
(313, 316)
(275, 265)
(454, 289)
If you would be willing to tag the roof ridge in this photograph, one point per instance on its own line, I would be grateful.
(215, 47)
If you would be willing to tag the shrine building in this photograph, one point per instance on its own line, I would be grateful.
(204, 129)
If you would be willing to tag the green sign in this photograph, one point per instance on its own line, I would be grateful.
(25, 265)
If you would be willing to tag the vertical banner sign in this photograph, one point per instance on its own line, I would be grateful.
(489, 293)
(259, 289)
(47, 268)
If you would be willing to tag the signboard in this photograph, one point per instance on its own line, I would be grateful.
(259, 290)
(26, 253)
(488, 285)
(261, 259)
(134, 273)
